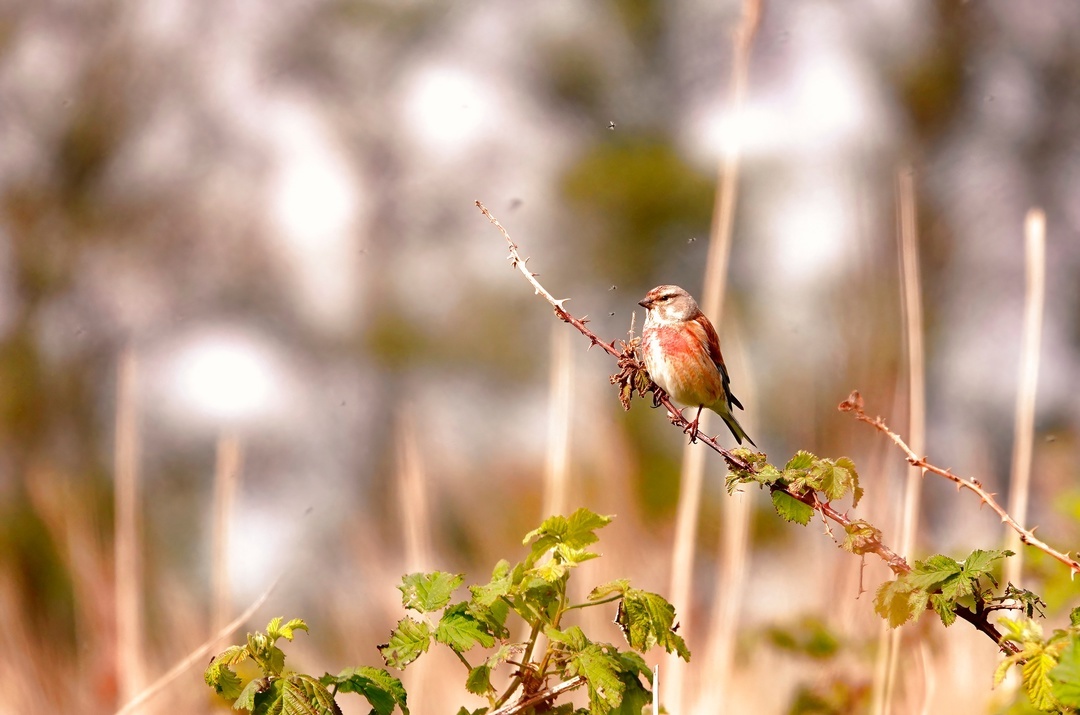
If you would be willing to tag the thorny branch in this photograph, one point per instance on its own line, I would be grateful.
(630, 368)
(854, 404)
(624, 356)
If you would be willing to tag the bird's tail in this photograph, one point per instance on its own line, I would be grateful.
(734, 426)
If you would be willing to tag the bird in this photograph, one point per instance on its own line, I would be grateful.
(682, 354)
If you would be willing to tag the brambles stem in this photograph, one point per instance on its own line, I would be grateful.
(854, 405)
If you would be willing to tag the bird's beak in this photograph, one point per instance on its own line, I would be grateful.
(645, 303)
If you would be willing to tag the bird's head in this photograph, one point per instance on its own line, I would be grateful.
(669, 304)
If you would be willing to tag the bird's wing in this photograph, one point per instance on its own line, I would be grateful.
(712, 344)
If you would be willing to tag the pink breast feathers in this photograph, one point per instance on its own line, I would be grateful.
(680, 363)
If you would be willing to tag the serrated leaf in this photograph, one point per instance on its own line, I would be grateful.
(460, 630)
(246, 699)
(572, 639)
(498, 587)
(791, 509)
(552, 570)
(407, 641)
(832, 480)
(932, 573)
(479, 680)
(233, 655)
(646, 620)
(223, 680)
(601, 672)
(860, 537)
(286, 631)
(272, 661)
(1065, 677)
(576, 531)
(979, 562)
(603, 591)
(1003, 668)
(427, 592)
(493, 617)
(296, 694)
(945, 608)
(893, 602)
(856, 490)
(802, 460)
(634, 696)
(1037, 683)
(383, 691)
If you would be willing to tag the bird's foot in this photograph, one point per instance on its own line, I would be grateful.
(692, 429)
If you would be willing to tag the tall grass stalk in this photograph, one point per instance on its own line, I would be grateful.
(887, 668)
(226, 482)
(1024, 427)
(416, 521)
(128, 574)
(557, 468)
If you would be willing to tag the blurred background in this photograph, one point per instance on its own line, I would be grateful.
(253, 326)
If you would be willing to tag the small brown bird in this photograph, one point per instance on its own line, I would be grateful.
(682, 355)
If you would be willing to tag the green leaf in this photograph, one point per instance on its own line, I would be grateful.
(222, 679)
(944, 607)
(383, 691)
(461, 631)
(1074, 617)
(861, 537)
(599, 665)
(479, 680)
(427, 592)
(979, 562)
(499, 586)
(1065, 677)
(246, 699)
(933, 572)
(275, 630)
(296, 694)
(572, 639)
(898, 603)
(1003, 667)
(601, 592)
(1037, 679)
(576, 531)
(634, 696)
(791, 509)
(802, 460)
(646, 620)
(856, 490)
(407, 641)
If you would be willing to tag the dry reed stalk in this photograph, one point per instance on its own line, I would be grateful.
(129, 607)
(413, 497)
(196, 656)
(416, 526)
(682, 563)
(557, 468)
(226, 480)
(733, 555)
(1024, 429)
(885, 680)
(720, 233)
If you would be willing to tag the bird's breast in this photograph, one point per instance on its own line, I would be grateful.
(679, 362)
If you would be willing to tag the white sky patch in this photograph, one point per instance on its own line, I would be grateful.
(227, 377)
(448, 109)
(811, 234)
(314, 199)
